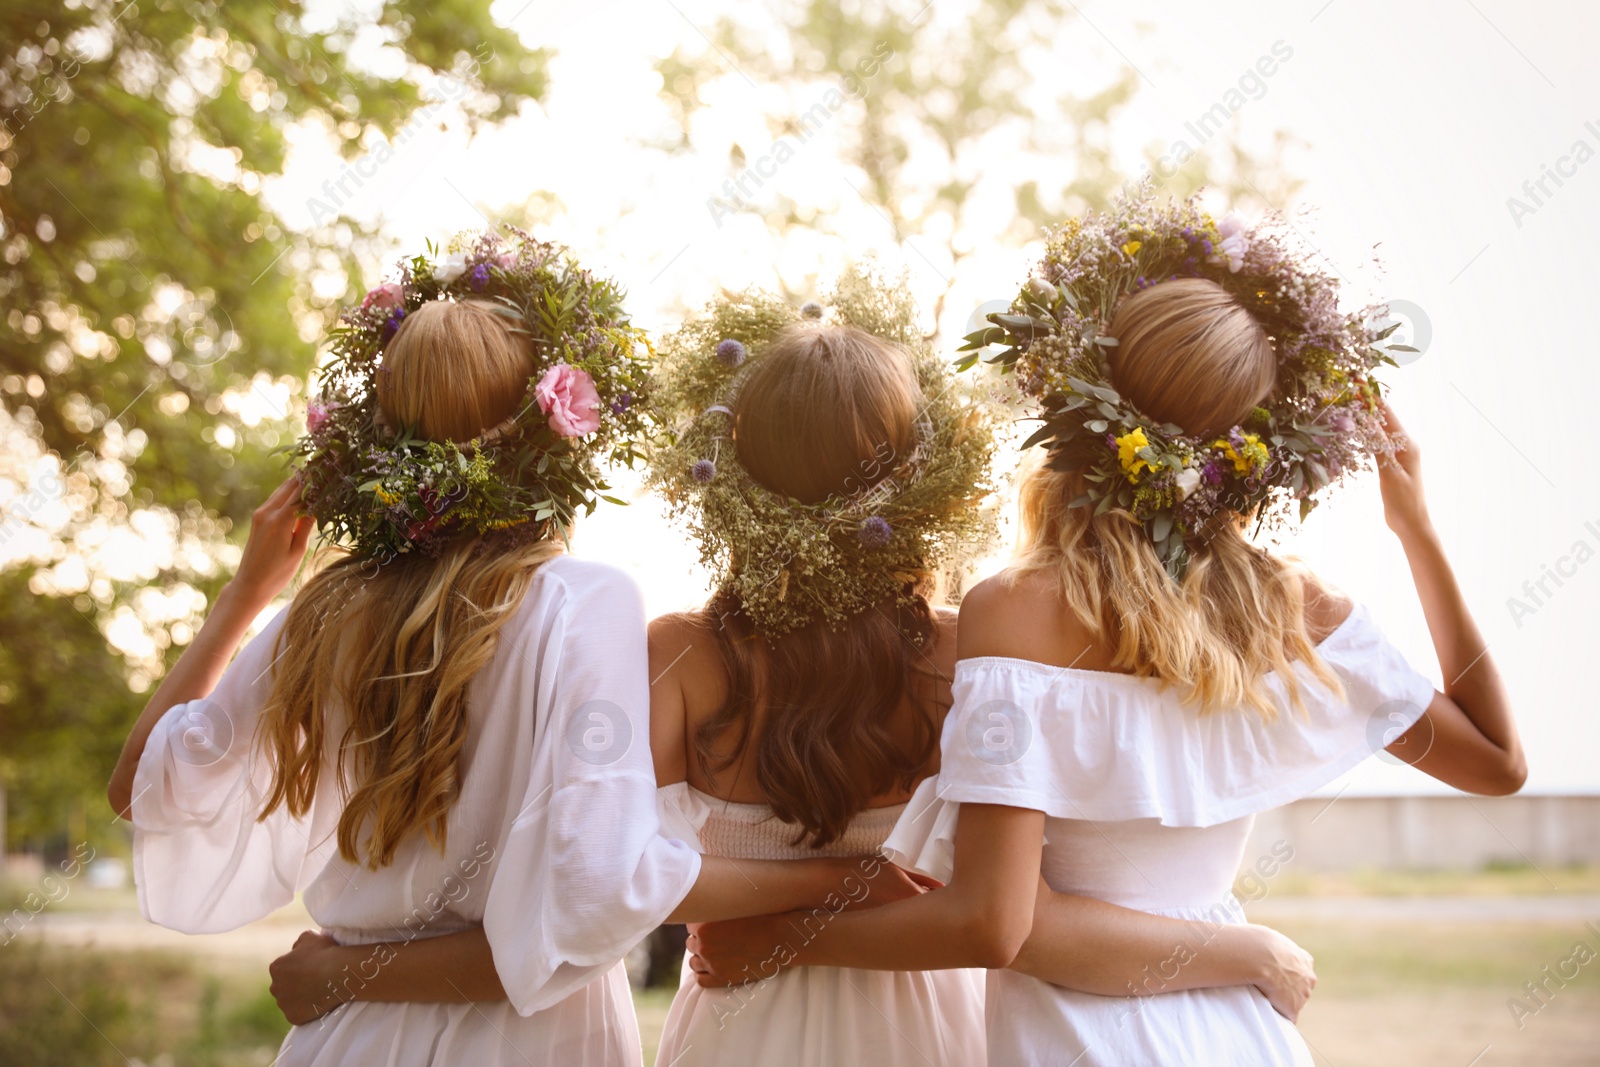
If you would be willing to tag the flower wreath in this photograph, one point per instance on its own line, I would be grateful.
(1321, 421)
(790, 563)
(384, 492)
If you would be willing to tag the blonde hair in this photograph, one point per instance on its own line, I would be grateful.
(381, 653)
(1189, 354)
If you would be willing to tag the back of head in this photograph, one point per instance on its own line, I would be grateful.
(453, 370)
(1187, 353)
(825, 404)
(391, 646)
(828, 410)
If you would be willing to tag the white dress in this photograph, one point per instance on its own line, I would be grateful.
(813, 1015)
(552, 846)
(1148, 805)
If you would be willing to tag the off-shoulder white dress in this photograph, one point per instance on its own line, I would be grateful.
(552, 846)
(1148, 805)
(812, 1015)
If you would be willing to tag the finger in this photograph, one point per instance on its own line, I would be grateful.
(305, 938)
(285, 493)
(298, 540)
(924, 880)
(1391, 421)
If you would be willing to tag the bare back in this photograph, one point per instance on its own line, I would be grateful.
(689, 685)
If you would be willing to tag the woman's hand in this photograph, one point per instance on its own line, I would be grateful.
(736, 951)
(279, 533)
(304, 980)
(1400, 479)
(1287, 972)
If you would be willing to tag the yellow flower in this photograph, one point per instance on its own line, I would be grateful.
(388, 498)
(1128, 448)
(1253, 454)
(1131, 247)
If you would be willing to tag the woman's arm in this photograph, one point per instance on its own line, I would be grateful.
(1094, 947)
(980, 919)
(278, 538)
(1467, 737)
(318, 974)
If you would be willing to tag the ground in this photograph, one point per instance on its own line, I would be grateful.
(1414, 969)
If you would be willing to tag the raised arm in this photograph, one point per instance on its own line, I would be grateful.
(1467, 738)
(279, 533)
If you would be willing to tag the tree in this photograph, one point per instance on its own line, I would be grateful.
(160, 316)
(949, 110)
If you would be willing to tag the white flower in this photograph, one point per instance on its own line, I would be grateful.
(1041, 290)
(1235, 243)
(1186, 482)
(450, 268)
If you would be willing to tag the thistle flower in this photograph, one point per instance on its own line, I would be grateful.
(730, 352)
(875, 532)
(703, 471)
(811, 310)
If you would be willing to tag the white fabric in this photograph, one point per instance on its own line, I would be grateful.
(813, 1015)
(1149, 806)
(552, 845)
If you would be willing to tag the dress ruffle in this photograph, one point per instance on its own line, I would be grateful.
(1103, 747)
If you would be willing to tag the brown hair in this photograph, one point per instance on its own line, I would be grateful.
(827, 410)
(387, 649)
(1187, 353)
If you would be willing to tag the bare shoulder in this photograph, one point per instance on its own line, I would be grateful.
(1022, 616)
(1326, 606)
(942, 649)
(679, 639)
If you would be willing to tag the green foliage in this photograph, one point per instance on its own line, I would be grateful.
(147, 287)
(933, 95)
(64, 1007)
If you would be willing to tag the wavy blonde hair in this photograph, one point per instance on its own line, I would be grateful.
(1187, 353)
(381, 654)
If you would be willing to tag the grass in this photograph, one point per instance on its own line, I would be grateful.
(83, 1008)
(1495, 880)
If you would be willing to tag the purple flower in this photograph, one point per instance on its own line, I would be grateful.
(730, 352)
(875, 532)
(811, 310)
(1213, 471)
(621, 403)
(703, 471)
(393, 323)
(480, 276)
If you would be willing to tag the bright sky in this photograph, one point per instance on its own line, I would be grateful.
(1415, 125)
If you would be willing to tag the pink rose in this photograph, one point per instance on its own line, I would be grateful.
(505, 260)
(567, 395)
(385, 297)
(317, 415)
